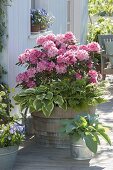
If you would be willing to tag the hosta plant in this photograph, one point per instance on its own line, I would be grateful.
(60, 73)
(88, 128)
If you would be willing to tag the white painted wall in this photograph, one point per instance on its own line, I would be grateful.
(79, 19)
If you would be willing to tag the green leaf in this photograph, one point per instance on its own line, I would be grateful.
(48, 107)
(31, 109)
(70, 128)
(37, 104)
(41, 89)
(64, 105)
(40, 96)
(49, 95)
(105, 136)
(91, 142)
(45, 111)
(59, 100)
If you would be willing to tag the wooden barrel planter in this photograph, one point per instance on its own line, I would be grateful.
(47, 130)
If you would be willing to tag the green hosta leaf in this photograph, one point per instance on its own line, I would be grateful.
(31, 109)
(40, 96)
(48, 106)
(64, 105)
(97, 138)
(45, 111)
(49, 95)
(30, 91)
(70, 128)
(37, 104)
(23, 106)
(17, 98)
(83, 122)
(59, 100)
(91, 142)
(105, 136)
(41, 89)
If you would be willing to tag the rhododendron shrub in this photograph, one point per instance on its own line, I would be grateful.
(57, 57)
(58, 72)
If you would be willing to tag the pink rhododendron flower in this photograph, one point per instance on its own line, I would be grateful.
(60, 38)
(70, 57)
(34, 55)
(93, 73)
(93, 47)
(83, 47)
(50, 66)
(31, 72)
(51, 37)
(61, 51)
(82, 55)
(48, 44)
(52, 51)
(41, 66)
(93, 80)
(60, 59)
(90, 65)
(78, 76)
(23, 58)
(41, 40)
(73, 47)
(61, 68)
(31, 84)
(69, 36)
(21, 77)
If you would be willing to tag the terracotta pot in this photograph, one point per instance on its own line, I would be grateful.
(47, 130)
(35, 28)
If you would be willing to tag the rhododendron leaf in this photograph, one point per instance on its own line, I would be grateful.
(59, 100)
(49, 95)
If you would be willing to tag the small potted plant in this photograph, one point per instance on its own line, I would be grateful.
(40, 20)
(84, 131)
(11, 132)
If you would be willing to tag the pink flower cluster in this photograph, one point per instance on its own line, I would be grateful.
(57, 56)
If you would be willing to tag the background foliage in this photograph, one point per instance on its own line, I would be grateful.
(100, 16)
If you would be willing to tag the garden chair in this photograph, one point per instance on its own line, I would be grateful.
(106, 43)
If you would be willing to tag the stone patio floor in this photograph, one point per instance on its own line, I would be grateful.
(34, 157)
